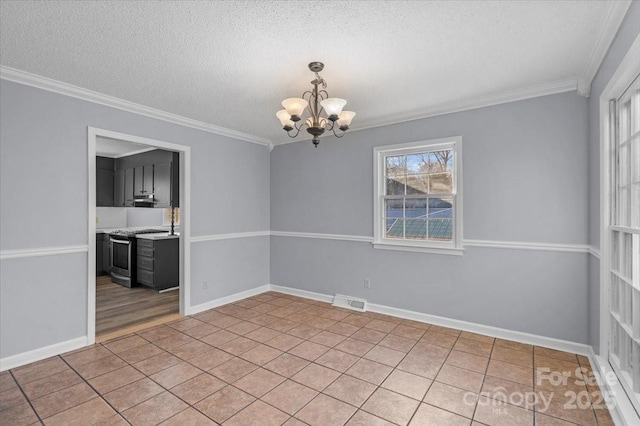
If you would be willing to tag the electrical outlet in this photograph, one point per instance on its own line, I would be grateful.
(205, 284)
(367, 283)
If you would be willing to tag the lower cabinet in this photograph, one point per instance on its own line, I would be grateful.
(158, 263)
(102, 254)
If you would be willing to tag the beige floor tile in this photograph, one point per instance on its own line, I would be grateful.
(50, 384)
(565, 407)
(439, 339)
(133, 394)
(553, 353)
(243, 328)
(14, 408)
(398, 343)
(158, 333)
(512, 356)
(156, 363)
(544, 420)
(430, 415)
(431, 351)
(450, 398)
(184, 324)
(90, 412)
(350, 390)
(188, 417)
(140, 353)
(507, 391)
(477, 337)
(327, 338)
(309, 350)
(315, 376)
(370, 371)
(89, 355)
(511, 372)
(445, 330)
(233, 370)
(421, 365)
(468, 361)
(219, 338)
(358, 320)
(354, 346)
(324, 410)
(155, 410)
(286, 365)
(259, 382)
(517, 346)
(460, 378)
(115, 379)
(391, 406)
(191, 350)
(473, 347)
(225, 403)
(369, 335)
(210, 359)
(284, 342)
(263, 334)
(175, 375)
(343, 328)
(337, 360)
(38, 370)
(201, 331)
(497, 413)
(62, 400)
(7, 381)
(362, 418)
(125, 343)
(385, 355)
(238, 346)
(407, 384)
(290, 396)
(258, 414)
(381, 325)
(198, 388)
(409, 332)
(304, 331)
(261, 354)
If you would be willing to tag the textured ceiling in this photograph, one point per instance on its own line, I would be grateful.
(231, 63)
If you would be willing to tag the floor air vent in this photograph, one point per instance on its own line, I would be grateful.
(349, 302)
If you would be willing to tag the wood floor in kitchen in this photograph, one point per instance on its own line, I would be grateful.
(118, 307)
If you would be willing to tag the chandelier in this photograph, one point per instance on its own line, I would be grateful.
(316, 101)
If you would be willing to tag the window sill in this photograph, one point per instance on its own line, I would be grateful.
(419, 249)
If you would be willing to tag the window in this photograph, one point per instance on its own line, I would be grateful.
(418, 196)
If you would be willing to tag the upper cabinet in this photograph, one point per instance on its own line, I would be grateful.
(104, 182)
(152, 175)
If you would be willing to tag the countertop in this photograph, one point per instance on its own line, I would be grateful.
(158, 236)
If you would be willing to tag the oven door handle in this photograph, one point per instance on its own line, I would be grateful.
(127, 242)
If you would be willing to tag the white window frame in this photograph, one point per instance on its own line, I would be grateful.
(454, 247)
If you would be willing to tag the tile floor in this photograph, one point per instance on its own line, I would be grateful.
(275, 359)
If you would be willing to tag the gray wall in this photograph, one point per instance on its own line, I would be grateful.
(525, 179)
(625, 37)
(43, 163)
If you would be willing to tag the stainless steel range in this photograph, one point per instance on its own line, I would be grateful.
(123, 249)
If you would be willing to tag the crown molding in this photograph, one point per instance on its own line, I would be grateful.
(608, 30)
(51, 85)
(514, 95)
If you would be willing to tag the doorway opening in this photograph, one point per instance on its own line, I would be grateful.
(128, 288)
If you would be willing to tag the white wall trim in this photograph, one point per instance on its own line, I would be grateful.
(608, 30)
(518, 245)
(595, 252)
(514, 95)
(301, 293)
(192, 310)
(51, 85)
(28, 357)
(42, 251)
(216, 237)
(570, 248)
(501, 333)
(620, 408)
(339, 237)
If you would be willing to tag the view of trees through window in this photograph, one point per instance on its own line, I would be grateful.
(419, 195)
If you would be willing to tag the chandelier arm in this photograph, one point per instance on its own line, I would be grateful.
(296, 134)
(337, 135)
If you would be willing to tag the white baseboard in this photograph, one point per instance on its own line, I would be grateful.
(620, 408)
(301, 293)
(24, 358)
(501, 333)
(192, 310)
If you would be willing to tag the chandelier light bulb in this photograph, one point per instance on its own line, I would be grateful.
(284, 118)
(333, 107)
(345, 118)
(295, 107)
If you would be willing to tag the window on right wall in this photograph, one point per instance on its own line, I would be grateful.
(418, 196)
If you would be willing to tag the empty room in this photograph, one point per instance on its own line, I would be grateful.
(320, 212)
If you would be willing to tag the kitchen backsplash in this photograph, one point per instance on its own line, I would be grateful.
(122, 217)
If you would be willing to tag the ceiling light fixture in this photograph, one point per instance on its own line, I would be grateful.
(316, 101)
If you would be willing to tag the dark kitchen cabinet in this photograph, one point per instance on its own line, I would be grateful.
(123, 188)
(143, 180)
(104, 182)
(99, 253)
(162, 185)
(158, 263)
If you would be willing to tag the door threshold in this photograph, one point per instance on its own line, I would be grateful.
(137, 327)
